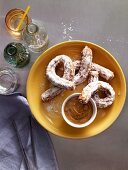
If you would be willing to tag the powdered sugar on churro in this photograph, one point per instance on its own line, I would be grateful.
(92, 87)
(85, 66)
(69, 72)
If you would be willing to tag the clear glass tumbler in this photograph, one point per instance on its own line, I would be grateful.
(35, 36)
(8, 80)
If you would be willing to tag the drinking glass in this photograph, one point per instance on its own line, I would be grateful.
(8, 80)
(35, 36)
(12, 20)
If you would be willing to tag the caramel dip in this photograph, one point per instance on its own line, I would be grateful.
(77, 112)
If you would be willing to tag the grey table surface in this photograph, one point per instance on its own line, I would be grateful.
(99, 21)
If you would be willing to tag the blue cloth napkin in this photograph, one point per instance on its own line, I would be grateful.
(15, 107)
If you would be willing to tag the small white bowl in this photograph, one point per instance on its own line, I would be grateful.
(74, 124)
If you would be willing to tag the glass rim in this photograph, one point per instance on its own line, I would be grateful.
(6, 23)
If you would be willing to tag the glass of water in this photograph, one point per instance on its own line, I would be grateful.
(8, 80)
(35, 36)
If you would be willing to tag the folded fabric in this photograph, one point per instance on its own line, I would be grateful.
(15, 107)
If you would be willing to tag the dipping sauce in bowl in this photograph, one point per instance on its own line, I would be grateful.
(77, 114)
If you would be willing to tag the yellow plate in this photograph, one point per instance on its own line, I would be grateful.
(49, 115)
